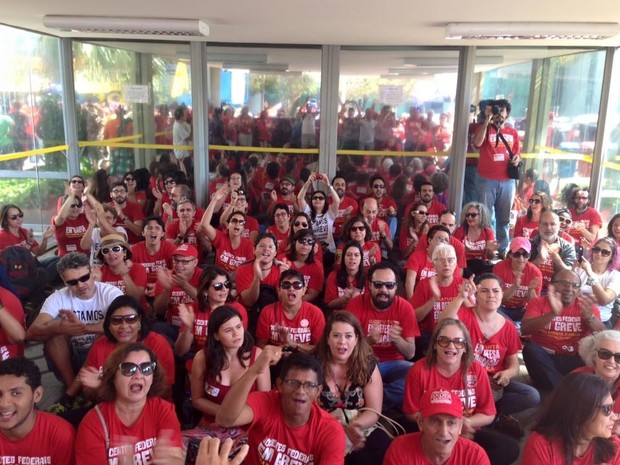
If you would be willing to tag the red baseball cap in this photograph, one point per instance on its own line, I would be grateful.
(440, 402)
(186, 250)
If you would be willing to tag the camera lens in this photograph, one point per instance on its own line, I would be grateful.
(495, 110)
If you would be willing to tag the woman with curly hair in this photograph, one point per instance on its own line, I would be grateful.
(352, 390)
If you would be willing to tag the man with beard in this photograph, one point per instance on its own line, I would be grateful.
(439, 439)
(387, 208)
(390, 325)
(186, 229)
(586, 220)
(556, 324)
(550, 253)
(287, 195)
(178, 193)
(348, 207)
(433, 206)
(496, 190)
(28, 435)
(129, 215)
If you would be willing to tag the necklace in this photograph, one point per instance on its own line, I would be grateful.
(265, 269)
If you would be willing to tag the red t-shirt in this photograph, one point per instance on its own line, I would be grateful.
(422, 265)
(103, 347)
(305, 328)
(348, 208)
(7, 239)
(313, 273)
(151, 263)
(434, 210)
(69, 235)
(157, 416)
(588, 219)
(179, 296)
(12, 305)
(562, 335)
(137, 273)
(475, 250)
(191, 235)
(540, 450)
(134, 213)
(50, 441)
(282, 237)
(273, 442)
(245, 276)
(494, 157)
(518, 300)
(491, 352)
(333, 291)
(384, 204)
(201, 323)
(376, 227)
(367, 248)
(228, 258)
(407, 450)
(525, 228)
(423, 294)
(459, 249)
(476, 396)
(400, 311)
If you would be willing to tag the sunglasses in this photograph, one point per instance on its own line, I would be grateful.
(130, 368)
(305, 241)
(566, 284)
(357, 228)
(220, 286)
(130, 179)
(565, 220)
(471, 215)
(14, 217)
(607, 409)
(127, 319)
(535, 201)
(81, 279)
(419, 212)
(76, 205)
(240, 193)
(299, 223)
(603, 252)
(297, 285)
(606, 354)
(521, 254)
(77, 181)
(170, 181)
(114, 248)
(318, 197)
(237, 221)
(389, 285)
(378, 186)
(445, 341)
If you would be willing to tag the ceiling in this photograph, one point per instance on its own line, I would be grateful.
(411, 26)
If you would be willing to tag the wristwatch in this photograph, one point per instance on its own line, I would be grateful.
(590, 281)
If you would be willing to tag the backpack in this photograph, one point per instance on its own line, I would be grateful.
(26, 278)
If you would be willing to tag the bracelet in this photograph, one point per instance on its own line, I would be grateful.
(590, 281)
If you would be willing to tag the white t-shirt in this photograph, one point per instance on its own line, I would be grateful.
(609, 280)
(181, 132)
(323, 228)
(89, 311)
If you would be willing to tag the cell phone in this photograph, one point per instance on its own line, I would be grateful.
(579, 251)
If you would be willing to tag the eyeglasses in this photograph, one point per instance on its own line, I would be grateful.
(318, 197)
(114, 248)
(237, 221)
(183, 262)
(127, 319)
(607, 409)
(581, 198)
(220, 286)
(305, 241)
(14, 217)
(566, 284)
(299, 223)
(77, 181)
(445, 341)
(536, 201)
(119, 191)
(606, 354)
(565, 220)
(281, 214)
(297, 285)
(419, 212)
(294, 385)
(603, 252)
(471, 215)
(76, 205)
(441, 239)
(130, 368)
(170, 181)
(389, 285)
(357, 228)
(520, 254)
(130, 179)
(81, 279)
(445, 260)
(378, 186)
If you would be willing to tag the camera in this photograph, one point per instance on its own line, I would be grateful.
(496, 110)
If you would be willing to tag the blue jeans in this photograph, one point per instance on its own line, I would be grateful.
(470, 192)
(545, 369)
(517, 397)
(394, 375)
(498, 196)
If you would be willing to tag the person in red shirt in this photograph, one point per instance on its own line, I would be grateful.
(439, 440)
(70, 225)
(348, 207)
(496, 190)
(28, 435)
(380, 230)
(12, 325)
(433, 206)
(186, 229)
(522, 280)
(388, 209)
(390, 325)
(581, 434)
(300, 257)
(348, 281)
(117, 269)
(130, 215)
(586, 220)
(281, 227)
(356, 229)
(555, 324)
(284, 424)
(239, 203)
(286, 195)
(413, 227)
(450, 365)
(527, 225)
(477, 237)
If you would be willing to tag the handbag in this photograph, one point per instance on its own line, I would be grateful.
(390, 427)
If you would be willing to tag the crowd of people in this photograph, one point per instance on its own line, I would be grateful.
(297, 311)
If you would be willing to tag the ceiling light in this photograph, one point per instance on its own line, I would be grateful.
(529, 31)
(116, 25)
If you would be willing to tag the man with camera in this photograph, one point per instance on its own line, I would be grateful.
(496, 190)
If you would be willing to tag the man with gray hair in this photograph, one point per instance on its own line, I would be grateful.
(72, 317)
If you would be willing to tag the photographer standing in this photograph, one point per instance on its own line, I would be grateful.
(495, 189)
